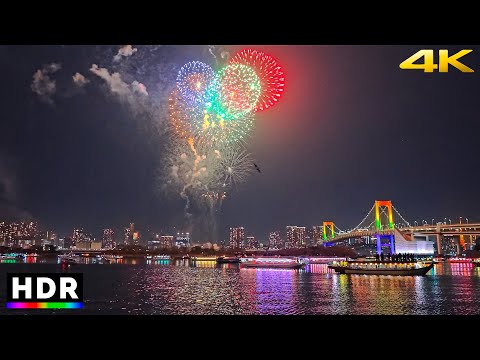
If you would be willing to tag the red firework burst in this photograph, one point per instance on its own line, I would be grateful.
(271, 76)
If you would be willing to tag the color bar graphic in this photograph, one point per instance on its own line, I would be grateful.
(44, 305)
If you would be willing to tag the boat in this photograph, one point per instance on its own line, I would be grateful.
(228, 260)
(459, 260)
(161, 257)
(272, 262)
(381, 267)
(11, 257)
(204, 258)
(321, 259)
(476, 262)
(69, 259)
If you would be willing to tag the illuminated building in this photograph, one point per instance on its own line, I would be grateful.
(182, 240)
(237, 238)
(49, 238)
(419, 244)
(251, 243)
(77, 236)
(108, 239)
(166, 241)
(135, 238)
(96, 245)
(295, 237)
(81, 240)
(21, 234)
(129, 234)
(67, 243)
(316, 234)
(275, 241)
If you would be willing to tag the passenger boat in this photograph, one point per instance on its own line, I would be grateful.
(204, 258)
(161, 257)
(228, 260)
(382, 267)
(321, 259)
(459, 260)
(11, 257)
(272, 262)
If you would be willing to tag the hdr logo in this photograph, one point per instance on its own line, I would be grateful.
(44, 291)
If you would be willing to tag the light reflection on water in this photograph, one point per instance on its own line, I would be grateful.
(139, 286)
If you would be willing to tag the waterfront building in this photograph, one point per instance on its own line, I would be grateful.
(237, 237)
(182, 239)
(252, 244)
(108, 239)
(296, 236)
(317, 234)
(275, 241)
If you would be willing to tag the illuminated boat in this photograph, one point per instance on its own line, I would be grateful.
(161, 257)
(228, 260)
(404, 268)
(204, 258)
(321, 259)
(272, 262)
(459, 260)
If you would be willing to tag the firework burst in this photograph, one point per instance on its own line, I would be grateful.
(193, 80)
(272, 79)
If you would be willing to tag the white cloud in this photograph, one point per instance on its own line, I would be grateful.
(124, 51)
(126, 93)
(42, 84)
(139, 87)
(114, 80)
(80, 80)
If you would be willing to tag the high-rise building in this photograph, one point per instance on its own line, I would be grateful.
(252, 244)
(129, 234)
(166, 241)
(136, 238)
(275, 240)
(295, 236)
(182, 240)
(316, 234)
(81, 239)
(21, 234)
(237, 238)
(77, 236)
(108, 239)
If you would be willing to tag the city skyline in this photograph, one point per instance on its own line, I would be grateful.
(84, 148)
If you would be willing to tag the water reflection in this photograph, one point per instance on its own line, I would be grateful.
(139, 286)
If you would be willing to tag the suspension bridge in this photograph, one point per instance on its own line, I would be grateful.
(384, 222)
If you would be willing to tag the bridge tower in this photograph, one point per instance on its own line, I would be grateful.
(379, 227)
(383, 204)
(328, 225)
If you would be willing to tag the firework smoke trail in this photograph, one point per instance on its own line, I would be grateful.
(194, 175)
(211, 48)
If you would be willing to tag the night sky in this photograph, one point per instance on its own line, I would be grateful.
(350, 129)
